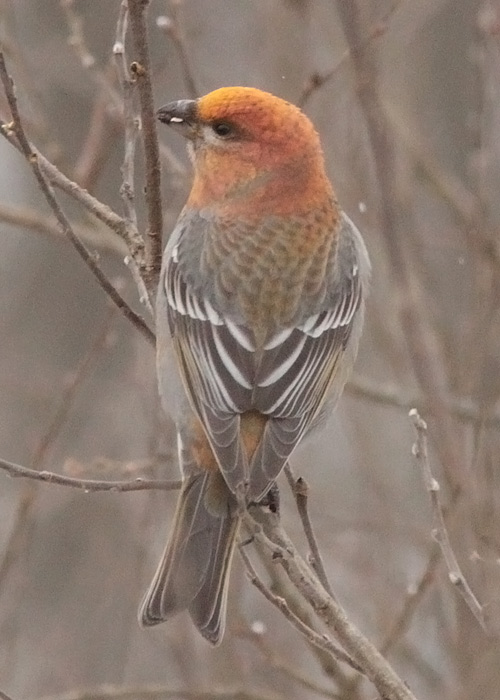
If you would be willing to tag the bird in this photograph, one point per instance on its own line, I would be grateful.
(259, 313)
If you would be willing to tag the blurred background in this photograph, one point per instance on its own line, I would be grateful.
(77, 382)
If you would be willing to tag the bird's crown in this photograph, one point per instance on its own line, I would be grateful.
(257, 113)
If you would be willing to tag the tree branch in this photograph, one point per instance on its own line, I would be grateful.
(318, 80)
(287, 667)
(33, 159)
(321, 641)
(141, 70)
(98, 209)
(32, 220)
(439, 530)
(46, 441)
(171, 27)
(423, 345)
(131, 122)
(88, 485)
(389, 394)
(300, 490)
(364, 654)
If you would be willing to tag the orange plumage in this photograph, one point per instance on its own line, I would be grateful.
(276, 138)
(259, 313)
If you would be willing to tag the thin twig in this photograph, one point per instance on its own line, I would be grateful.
(99, 140)
(34, 94)
(87, 60)
(465, 204)
(319, 640)
(357, 646)
(47, 440)
(109, 96)
(76, 37)
(291, 671)
(131, 121)
(98, 209)
(140, 68)
(300, 490)
(172, 28)
(32, 220)
(88, 485)
(392, 395)
(402, 622)
(420, 336)
(439, 531)
(98, 144)
(280, 585)
(318, 80)
(86, 256)
(411, 602)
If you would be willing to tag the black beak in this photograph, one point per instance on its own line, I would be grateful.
(181, 115)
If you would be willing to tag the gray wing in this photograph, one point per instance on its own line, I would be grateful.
(225, 375)
(326, 345)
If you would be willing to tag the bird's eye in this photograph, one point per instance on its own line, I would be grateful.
(223, 129)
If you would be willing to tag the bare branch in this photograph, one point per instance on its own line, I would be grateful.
(67, 400)
(47, 440)
(411, 602)
(466, 205)
(300, 489)
(141, 71)
(131, 122)
(29, 219)
(281, 586)
(98, 209)
(393, 395)
(172, 28)
(422, 342)
(89, 485)
(89, 259)
(87, 60)
(439, 531)
(318, 80)
(76, 38)
(98, 144)
(318, 640)
(273, 537)
(271, 659)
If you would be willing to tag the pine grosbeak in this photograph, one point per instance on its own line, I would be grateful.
(259, 312)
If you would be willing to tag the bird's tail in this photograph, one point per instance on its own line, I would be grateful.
(194, 571)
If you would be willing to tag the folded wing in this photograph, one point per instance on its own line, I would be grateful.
(286, 379)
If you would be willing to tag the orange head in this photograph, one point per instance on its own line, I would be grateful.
(253, 153)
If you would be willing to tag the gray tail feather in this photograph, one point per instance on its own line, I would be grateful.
(194, 571)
